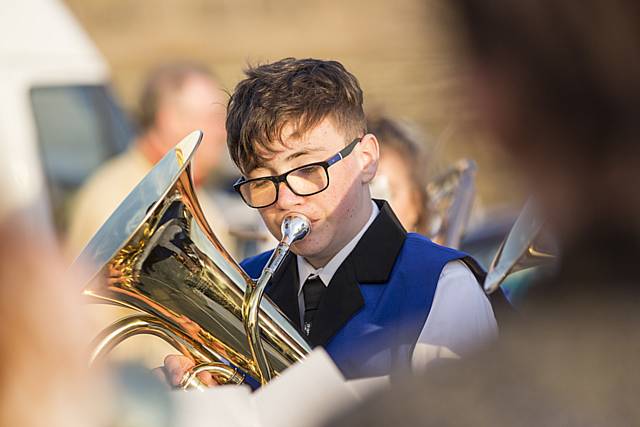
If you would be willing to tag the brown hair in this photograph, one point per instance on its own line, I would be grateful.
(298, 92)
(163, 81)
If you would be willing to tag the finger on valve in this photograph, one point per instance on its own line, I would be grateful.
(176, 368)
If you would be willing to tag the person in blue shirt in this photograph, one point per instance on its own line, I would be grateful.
(377, 298)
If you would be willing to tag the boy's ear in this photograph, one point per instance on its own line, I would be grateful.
(369, 153)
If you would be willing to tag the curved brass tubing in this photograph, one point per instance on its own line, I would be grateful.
(141, 324)
(294, 227)
(221, 373)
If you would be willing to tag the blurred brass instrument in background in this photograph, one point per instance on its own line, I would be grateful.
(157, 254)
(451, 197)
(525, 246)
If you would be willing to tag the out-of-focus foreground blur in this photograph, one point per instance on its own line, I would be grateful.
(43, 368)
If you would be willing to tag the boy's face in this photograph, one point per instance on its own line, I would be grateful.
(337, 213)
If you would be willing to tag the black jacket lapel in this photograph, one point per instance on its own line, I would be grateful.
(370, 262)
(283, 289)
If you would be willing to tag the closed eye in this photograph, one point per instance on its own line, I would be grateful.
(261, 183)
(308, 171)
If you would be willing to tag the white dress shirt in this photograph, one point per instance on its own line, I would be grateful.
(460, 320)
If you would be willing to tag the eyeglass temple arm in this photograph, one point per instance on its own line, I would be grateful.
(344, 152)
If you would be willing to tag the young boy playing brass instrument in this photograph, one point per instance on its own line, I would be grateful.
(374, 296)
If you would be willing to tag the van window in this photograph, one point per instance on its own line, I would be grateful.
(79, 127)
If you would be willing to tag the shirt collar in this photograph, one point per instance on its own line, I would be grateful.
(326, 273)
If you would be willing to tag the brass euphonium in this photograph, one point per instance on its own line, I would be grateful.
(157, 254)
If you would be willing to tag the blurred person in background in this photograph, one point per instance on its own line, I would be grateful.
(556, 82)
(401, 170)
(176, 99)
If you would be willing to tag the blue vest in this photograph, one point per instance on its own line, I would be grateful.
(378, 301)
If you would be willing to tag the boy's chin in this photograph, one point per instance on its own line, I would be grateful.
(306, 248)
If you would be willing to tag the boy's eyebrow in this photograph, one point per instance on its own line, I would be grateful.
(260, 164)
(303, 152)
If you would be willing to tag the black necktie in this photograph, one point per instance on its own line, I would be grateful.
(313, 289)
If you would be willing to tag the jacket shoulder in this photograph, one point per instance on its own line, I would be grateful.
(422, 245)
(253, 265)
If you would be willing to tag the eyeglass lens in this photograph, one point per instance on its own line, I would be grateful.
(303, 182)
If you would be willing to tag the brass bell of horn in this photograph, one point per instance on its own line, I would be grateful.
(158, 255)
(524, 247)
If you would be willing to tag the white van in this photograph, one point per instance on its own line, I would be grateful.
(58, 118)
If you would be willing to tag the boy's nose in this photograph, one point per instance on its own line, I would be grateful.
(287, 198)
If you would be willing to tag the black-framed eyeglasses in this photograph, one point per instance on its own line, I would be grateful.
(305, 180)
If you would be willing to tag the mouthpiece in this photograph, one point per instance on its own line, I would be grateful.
(294, 227)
